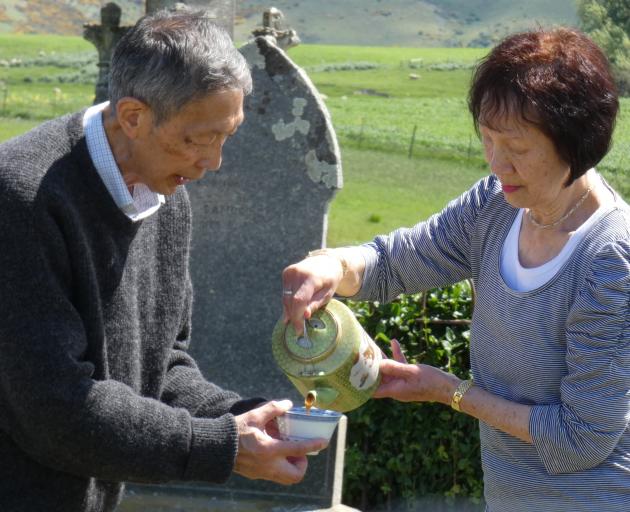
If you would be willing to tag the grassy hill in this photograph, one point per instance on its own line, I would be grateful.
(411, 22)
(399, 113)
(59, 16)
(414, 23)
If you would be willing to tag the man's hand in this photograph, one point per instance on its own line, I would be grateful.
(260, 456)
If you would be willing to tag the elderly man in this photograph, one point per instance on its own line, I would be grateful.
(96, 386)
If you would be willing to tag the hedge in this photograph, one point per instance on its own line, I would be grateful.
(398, 453)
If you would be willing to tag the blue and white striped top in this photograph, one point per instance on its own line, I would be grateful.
(563, 348)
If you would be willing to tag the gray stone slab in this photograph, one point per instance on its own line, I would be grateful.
(266, 208)
(147, 499)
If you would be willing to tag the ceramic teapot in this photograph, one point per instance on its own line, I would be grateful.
(334, 364)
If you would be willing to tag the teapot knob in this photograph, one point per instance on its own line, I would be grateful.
(304, 342)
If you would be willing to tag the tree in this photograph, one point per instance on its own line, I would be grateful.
(607, 22)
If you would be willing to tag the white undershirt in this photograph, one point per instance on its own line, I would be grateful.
(524, 279)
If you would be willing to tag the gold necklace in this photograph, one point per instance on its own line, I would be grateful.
(564, 217)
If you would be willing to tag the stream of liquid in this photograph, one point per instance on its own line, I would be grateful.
(308, 402)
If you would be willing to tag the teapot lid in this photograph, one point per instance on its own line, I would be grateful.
(319, 339)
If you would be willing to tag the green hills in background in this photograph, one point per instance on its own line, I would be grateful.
(413, 23)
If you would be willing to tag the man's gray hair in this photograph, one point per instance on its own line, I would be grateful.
(172, 57)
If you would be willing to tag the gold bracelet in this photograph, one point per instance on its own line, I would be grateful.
(459, 393)
(330, 252)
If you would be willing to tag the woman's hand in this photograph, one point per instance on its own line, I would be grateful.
(311, 283)
(413, 382)
(307, 286)
(423, 383)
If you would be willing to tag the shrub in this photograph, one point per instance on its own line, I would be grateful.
(450, 66)
(342, 66)
(398, 452)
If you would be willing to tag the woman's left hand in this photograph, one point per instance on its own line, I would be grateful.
(413, 382)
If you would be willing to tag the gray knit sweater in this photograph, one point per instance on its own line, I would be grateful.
(96, 386)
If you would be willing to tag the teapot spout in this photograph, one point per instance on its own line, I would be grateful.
(320, 397)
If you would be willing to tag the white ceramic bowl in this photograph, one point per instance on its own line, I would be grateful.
(297, 425)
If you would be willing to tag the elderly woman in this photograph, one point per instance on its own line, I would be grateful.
(546, 242)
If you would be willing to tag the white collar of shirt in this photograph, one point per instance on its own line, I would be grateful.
(144, 201)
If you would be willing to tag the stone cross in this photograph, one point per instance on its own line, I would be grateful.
(105, 36)
(273, 26)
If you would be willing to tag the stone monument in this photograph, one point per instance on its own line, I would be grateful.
(104, 36)
(266, 208)
(273, 26)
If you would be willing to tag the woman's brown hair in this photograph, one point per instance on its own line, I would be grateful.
(558, 80)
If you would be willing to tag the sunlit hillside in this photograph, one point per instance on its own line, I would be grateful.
(415, 23)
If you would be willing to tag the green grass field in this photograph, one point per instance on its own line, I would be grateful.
(414, 190)
(385, 102)
(317, 54)
(24, 46)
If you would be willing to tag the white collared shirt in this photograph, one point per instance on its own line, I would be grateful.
(144, 201)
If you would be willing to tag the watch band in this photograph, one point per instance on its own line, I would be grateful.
(459, 393)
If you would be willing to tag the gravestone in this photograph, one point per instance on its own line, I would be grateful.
(266, 208)
(273, 25)
(104, 36)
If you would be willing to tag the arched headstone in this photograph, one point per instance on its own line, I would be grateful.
(266, 208)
